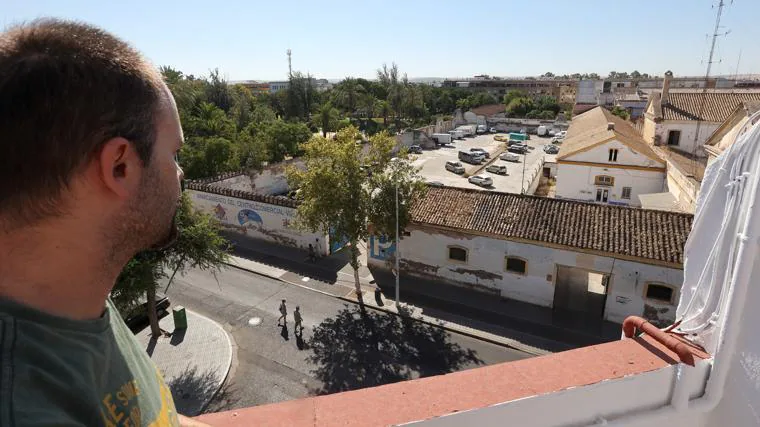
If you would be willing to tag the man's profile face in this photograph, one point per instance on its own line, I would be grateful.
(155, 206)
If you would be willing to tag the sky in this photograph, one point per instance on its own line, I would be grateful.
(247, 40)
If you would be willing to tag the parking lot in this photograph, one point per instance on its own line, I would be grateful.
(433, 163)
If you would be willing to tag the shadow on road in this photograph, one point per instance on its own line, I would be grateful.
(290, 259)
(193, 390)
(357, 349)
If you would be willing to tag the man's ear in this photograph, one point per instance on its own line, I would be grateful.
(120, 167)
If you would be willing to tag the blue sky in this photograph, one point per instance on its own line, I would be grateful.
(332, 39)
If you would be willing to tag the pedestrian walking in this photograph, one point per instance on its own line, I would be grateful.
(298, 319)
(283, 313)
(312, 255)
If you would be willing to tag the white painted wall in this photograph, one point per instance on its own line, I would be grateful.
(688, 130)
(268, 222)
(425, 253)
(577, 182)
(626, 155)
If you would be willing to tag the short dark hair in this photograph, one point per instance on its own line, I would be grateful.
(65, 89)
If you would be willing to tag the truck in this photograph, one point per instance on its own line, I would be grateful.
(456, 134)
(514, 136)
(482, 129)
(441, 138)
(469, 130)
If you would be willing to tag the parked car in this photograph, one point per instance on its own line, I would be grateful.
(497, 169)
(415, 149)
(551, 149)
(557, 140)
(510, 157)
(481, 180)
(561, 134)
(493, 130)
(518, 148)
(481, 151)
(551, 132)
(137, 318)
(455, 167)
(435, 184)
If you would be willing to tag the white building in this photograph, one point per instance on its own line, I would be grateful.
(600, 262)
(275, 87)
(703, 372)
(725, 135)
(683, 119)
(603, 159)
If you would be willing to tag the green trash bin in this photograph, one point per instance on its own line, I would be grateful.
(180, 317)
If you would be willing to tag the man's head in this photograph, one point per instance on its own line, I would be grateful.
(89, 135)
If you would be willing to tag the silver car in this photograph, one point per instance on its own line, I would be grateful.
(481, 180)
(455, 167)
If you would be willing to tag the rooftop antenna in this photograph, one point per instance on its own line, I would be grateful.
(736, 72)
(290, 66)
(703, 98)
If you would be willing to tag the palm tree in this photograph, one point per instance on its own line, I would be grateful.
(326, 118)
(385, 110)
(347, 93)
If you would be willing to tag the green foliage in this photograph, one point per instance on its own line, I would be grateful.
(621, 112)
(339, 185)
(283, 138)
(519, 107)
(208, 156)
(326, 118)
(198, 246)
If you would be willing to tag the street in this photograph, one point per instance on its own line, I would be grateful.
(340, 348)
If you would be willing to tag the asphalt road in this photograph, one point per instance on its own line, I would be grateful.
(340, 348)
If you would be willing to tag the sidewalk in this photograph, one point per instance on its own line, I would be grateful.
(527, 327)
(194, 361)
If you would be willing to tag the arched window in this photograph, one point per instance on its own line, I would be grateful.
(660, 292)
(457, 253)
(516, 265)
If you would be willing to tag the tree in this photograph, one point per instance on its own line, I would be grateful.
(620, 112)
(198, 246)
(512, 94)
(548, 74)
(326, 118)
(635, 74)
(337, 188)
(519, 107)
(347, 94)
(284, 138)
(218, 91)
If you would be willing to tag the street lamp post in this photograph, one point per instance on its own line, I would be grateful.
(398, 247)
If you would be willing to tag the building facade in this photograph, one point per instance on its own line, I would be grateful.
(600, 262)
(683, 119)
(604, 160)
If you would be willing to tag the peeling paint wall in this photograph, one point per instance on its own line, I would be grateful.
(425, 253)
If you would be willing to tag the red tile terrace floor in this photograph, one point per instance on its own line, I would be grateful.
(472, 389)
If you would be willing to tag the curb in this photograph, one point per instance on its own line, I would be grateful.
(233, 356)
(504, 342)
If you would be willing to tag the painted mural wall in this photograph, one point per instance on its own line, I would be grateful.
(424, 253)
(258, 220)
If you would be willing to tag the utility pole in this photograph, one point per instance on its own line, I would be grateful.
(703, 98)
(290, 66)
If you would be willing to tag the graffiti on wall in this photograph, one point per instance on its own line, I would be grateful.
(381, 248)
(244, 215)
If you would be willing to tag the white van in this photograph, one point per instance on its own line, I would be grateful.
(441, 138)
(542, 131)
(456, 134)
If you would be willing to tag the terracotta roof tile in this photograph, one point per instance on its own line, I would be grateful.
(718, 104)
(639, 233)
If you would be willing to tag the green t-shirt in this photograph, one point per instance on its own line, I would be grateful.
(62, 372)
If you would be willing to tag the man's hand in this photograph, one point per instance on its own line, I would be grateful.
(189, 422)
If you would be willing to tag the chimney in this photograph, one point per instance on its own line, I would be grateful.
(666, 86)
(611, 126)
